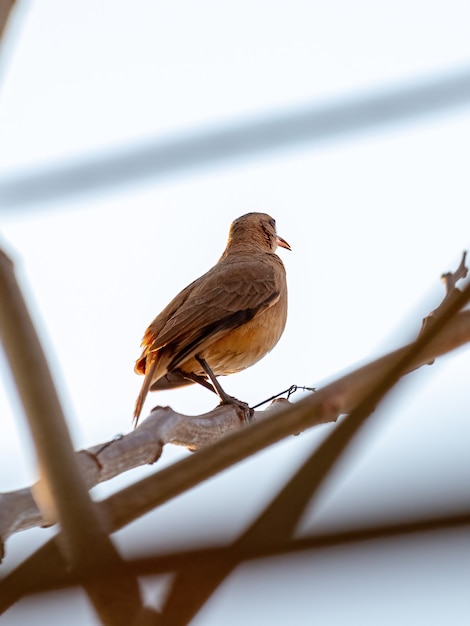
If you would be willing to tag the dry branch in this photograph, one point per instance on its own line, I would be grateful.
(354, 394)
(450, 280)
(174, 560)
(163, 425)
(195, 583)
(84, 542)
(132, 502)
(5, 9)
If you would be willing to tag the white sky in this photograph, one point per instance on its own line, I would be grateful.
(373, 221)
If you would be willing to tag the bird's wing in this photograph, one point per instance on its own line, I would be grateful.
(153, 331)
(230, 294)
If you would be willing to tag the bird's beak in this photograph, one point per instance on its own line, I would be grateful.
(282, 243)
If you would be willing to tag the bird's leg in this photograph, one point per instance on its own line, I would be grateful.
(224, 397)
(200, 380)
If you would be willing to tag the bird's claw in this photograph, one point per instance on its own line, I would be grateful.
(244, 412)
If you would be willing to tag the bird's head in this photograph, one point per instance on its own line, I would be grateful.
(255, 229)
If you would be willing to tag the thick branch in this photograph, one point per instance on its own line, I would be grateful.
(85, 543)
(5, 9)
(163, 425)
(194, 584)
(132, 502)
(162, 563)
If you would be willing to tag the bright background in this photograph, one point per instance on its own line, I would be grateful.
(373, 219)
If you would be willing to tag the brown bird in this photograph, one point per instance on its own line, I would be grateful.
(224, 321)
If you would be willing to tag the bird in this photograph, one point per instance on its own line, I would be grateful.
(223, 322)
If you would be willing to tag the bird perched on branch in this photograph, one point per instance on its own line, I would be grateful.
(224, 321)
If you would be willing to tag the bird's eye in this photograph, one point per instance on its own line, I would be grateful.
(273, 223)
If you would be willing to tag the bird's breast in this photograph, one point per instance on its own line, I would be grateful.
(243, 346)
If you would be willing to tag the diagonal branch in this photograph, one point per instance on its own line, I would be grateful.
(104, 461)
(195, 583)
(84, 543)
(311, 124)
(338, 397)
(5, 9)
(174, 561)
(450, 279)
(130, 503)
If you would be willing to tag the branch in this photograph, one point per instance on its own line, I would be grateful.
(450, 280)
(132, 502)
(162, 563)
(18, 510)
(194, 584)
(85, 544)
(143, 445)
(5, 9)
(204, 147)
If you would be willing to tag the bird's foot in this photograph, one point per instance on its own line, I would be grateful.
(244, 412)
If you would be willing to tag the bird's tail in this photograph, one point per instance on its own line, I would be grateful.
(149, 374)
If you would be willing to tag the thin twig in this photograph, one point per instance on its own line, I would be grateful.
(450, 280)
(290, 391)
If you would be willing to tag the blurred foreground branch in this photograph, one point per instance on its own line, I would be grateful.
(84, 544)
(211, 146)
(5, 10)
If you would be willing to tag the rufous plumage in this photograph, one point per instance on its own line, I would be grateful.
(224, 321)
